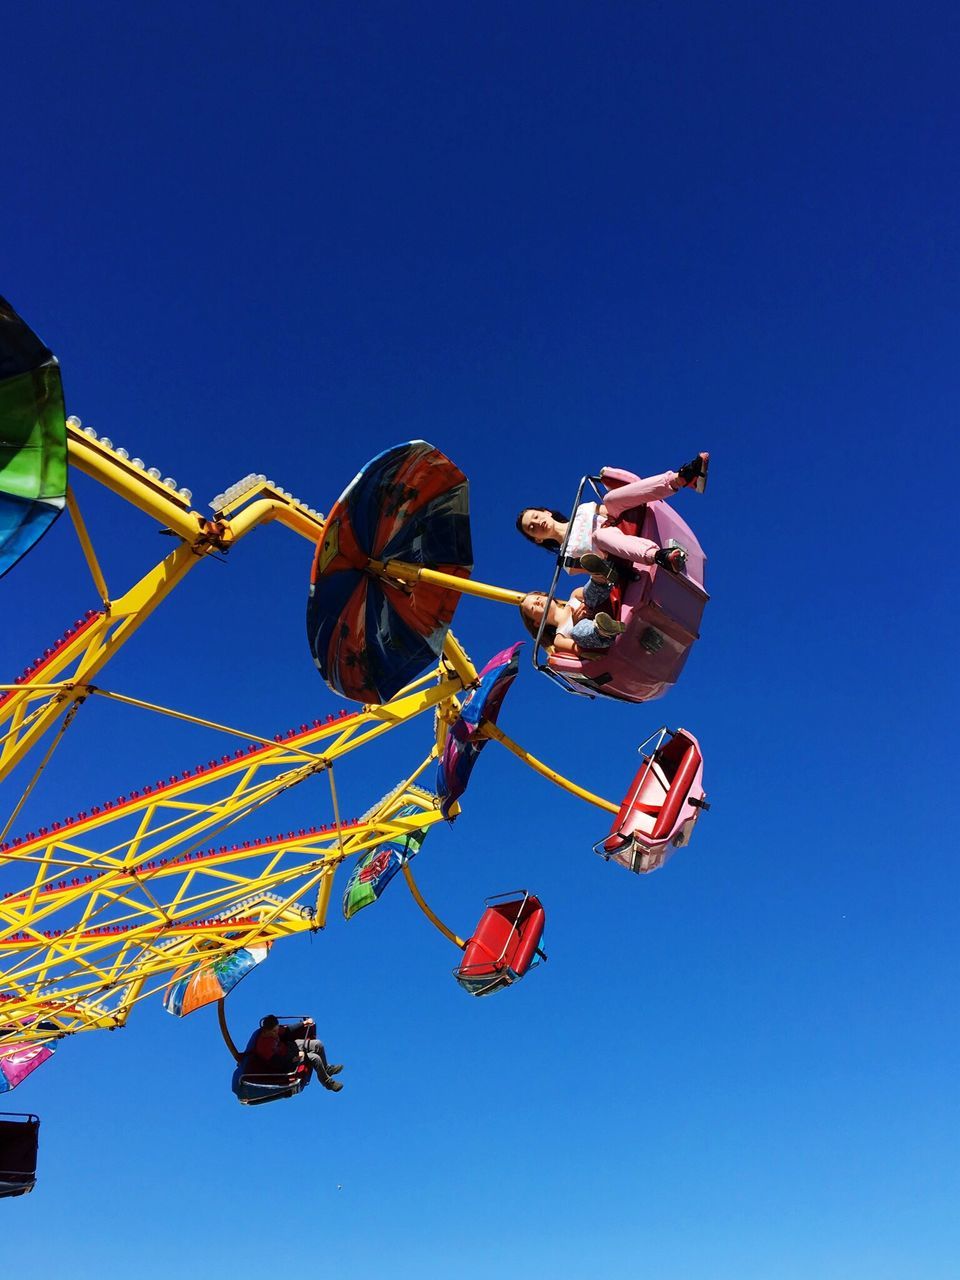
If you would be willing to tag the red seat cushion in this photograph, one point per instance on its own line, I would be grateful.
(666, 813)
(506, 937)
(679, 789)
(615, 840)
(531, 931)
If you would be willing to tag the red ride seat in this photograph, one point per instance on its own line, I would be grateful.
(504, 946)
(657, 795)
(679, 788)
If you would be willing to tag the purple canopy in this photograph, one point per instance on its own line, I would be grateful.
(18, 1060)
(464, 743)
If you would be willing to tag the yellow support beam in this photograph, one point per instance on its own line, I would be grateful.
(414, 573)
(137, 487)
(493, 731)
(427, 910)
(86, 546)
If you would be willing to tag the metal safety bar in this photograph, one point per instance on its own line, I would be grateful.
(559, 677)
(649, 759)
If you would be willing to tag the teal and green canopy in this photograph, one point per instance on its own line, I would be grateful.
(33, 438)
(377, 867)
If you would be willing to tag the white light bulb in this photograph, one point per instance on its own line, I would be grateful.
(169, 482)
(138, 463)
(74, 421)
(185, 494)
(122, 453)
(106, 442)
(89, 431)
(153, 473)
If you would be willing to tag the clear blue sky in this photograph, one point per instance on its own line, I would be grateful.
(546, 237)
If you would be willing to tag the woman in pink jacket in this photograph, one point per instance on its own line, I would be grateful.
(594, 530)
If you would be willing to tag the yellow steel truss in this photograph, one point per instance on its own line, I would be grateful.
(131, 889)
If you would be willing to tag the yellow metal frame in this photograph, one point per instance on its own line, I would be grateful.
(114, 901)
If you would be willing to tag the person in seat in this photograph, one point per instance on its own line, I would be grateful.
(278, 1049)
(579, 624)
(594, 528)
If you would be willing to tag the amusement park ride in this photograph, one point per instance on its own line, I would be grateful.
(161, 890)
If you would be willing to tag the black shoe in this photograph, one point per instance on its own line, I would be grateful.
(608, 626)
(673, 559)
(694, 474)
(333, 1085)
(335, 1069)
(596, 564)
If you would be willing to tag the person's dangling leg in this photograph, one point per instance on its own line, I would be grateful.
(612, 541)
(588, 636)
(595, 595)
(316, 1055)
(314, 1052)
(635, 492)
(614, 477)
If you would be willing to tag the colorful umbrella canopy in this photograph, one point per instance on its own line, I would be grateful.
(33, 438)
(464, 743)
(191, 988)
(18, 1060)
(377, 867)
(369, 636)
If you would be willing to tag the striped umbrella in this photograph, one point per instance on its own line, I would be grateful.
(369, 635)
(191, 987)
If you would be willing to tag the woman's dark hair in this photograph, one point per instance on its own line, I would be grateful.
(548, 544)
(269, 1022)
(549, 631)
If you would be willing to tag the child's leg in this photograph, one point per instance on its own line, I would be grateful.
(596, 595)
(587, 635)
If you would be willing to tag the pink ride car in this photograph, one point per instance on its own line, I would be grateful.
(661, 610)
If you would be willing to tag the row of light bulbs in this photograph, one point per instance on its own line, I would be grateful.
(153, 472)
(248, 482)
(253, 480)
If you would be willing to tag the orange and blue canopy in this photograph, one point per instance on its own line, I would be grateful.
(193, 987)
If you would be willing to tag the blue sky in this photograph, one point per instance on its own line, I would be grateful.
(546, 238)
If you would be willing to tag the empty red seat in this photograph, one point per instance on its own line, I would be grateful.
(504, 946)
(661, 805)
(679, 789)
